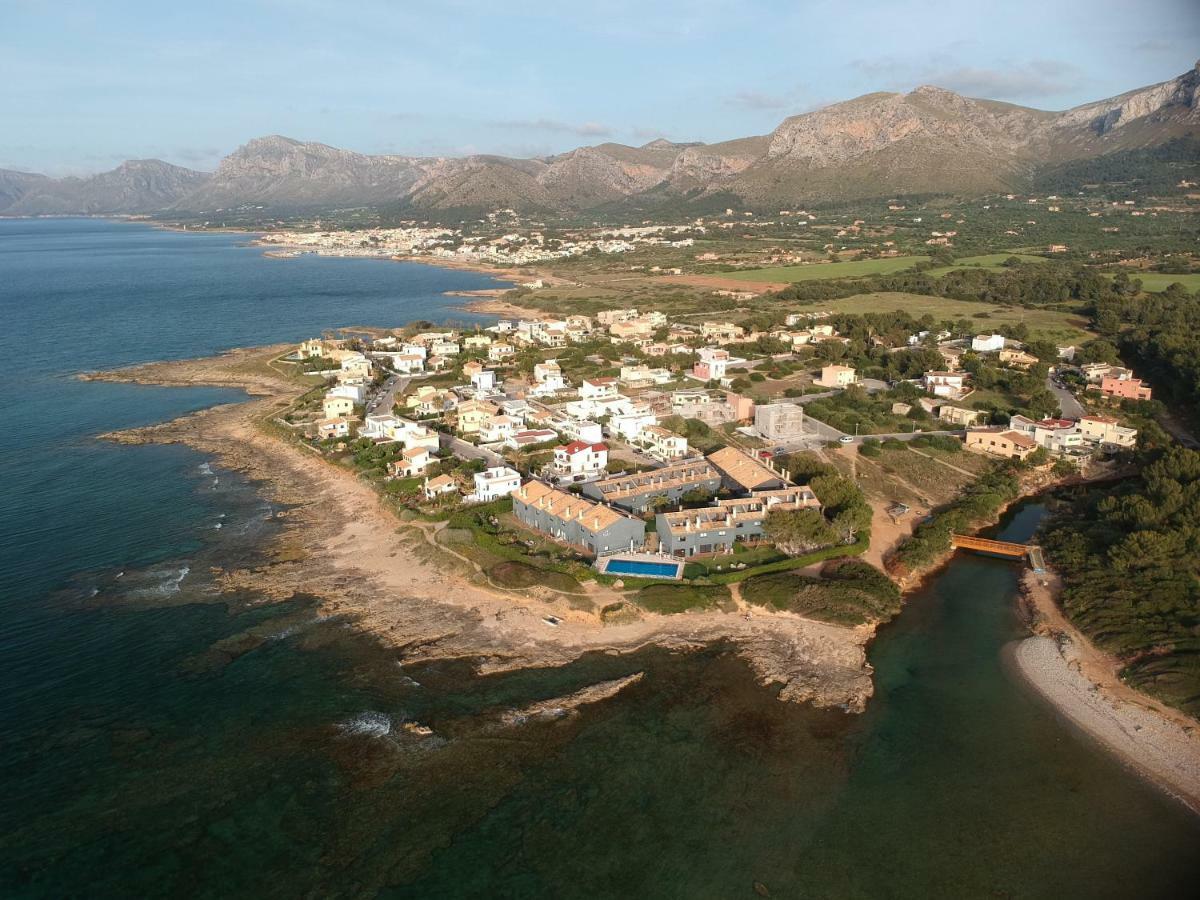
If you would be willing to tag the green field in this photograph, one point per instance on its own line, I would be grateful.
(1156, 282)
(991, 261)
(1054, 325)
(818, 271)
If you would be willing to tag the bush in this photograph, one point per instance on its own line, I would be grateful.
(668, 599)
(847, 593)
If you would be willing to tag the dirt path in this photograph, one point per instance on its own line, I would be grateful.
(942, 462)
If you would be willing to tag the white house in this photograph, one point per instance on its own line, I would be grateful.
(579, 460)
(376, 427)
(630, 425)
(412, 462)
(483, 380)
(494, 483)
(580, 430)
(711, 363)
(987, 343)
(497, 352)
(944, 384)
(1105, 431)
(437, 487)
(598, 388)
(663, 444)
(531, 437)
(355, 390)
(497, 428)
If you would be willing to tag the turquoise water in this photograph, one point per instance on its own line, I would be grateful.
(157, 742)
(641, 567)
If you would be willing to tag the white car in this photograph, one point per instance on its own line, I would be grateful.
(846, 439)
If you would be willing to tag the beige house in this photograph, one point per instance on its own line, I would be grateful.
(956, 415)
(335, 407)
(837, 377)
(1018, 359)
(1000, 442)
(472, 415)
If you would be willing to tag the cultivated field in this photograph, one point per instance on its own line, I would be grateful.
(1052, 324)
(1157, 281)
(818, 271)
(990, 261)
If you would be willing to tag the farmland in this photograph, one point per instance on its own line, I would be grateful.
(1053, 324)
(819, 271)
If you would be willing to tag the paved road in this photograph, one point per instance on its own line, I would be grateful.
(1071, 408)
(467, 450)
(386, 398)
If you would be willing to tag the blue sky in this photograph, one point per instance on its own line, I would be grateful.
(86, 85)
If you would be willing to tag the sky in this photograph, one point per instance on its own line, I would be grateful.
(84, 86)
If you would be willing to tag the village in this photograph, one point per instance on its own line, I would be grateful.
(657, 449)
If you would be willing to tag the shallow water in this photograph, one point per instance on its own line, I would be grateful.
(154, 742)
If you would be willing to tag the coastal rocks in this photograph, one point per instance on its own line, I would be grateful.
(561, 707)
(338, 543)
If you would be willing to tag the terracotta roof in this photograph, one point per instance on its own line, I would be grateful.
(568, 507)
(576, 446)
(745, 470)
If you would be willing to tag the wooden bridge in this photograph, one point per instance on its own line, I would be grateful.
(1030, 552)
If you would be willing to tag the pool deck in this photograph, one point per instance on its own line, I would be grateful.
(603, 562)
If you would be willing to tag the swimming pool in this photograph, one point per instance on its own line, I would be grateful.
(643, 568)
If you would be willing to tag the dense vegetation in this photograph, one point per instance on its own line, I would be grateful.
(1130, 557)
(1022, 284)
(847, 593)
(1149, 169)
(980, 501)
(1159, 335)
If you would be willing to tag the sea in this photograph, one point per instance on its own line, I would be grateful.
(160, 739)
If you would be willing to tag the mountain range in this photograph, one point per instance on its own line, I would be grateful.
(929, 140)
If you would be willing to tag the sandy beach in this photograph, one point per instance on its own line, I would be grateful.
(343, 544)
(1082, 684)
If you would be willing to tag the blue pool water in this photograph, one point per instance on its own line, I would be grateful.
(643, 568)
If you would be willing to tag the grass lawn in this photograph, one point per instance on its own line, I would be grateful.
(818, 271)
(1053, 324)
(1156, 282)
(992, 261)
(667, 599)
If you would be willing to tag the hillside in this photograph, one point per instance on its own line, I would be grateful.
(929, 140)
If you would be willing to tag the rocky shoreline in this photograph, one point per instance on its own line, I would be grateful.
(341, 543)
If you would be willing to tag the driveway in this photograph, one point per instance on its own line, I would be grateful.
(1071, 408)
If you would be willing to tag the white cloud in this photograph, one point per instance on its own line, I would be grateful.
(582, 129)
